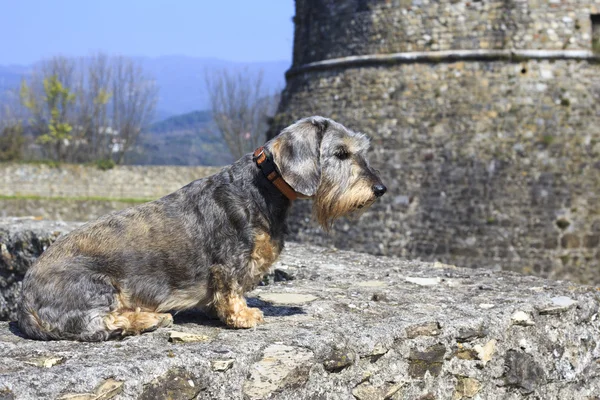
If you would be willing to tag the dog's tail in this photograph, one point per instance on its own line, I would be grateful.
(32, 326)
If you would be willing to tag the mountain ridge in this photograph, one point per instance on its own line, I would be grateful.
(180, 78)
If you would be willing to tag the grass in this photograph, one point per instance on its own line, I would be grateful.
(59, 198)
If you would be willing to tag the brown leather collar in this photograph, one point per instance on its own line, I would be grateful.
(267, 166)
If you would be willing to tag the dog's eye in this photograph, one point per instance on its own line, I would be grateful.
(342, 154)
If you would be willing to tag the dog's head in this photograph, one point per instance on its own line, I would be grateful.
(321, 158)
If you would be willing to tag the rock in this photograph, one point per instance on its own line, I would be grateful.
(523, 371)
(430, 360)
(424, 281)
(222, 365)
(6, 394)
(466, 388)
(438, 264)
(485, 352)
(522, 318)
(466, 354)
(104, 391)
(338, 360)
(559, 305)
(281, 366)
(570, 241)
(176, 384)
(591, 241)
(367, 391)
(46, 362)
(287, 298)
(286, 356)
(563, 301)
(469, 334)
(426, 329)
(371, 284)
(280, 275)
(378, 297)
(184, 337)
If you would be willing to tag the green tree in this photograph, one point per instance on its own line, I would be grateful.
(56, 101)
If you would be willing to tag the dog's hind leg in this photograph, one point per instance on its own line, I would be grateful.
(69, 301)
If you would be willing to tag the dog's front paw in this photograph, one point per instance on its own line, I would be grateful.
(165, 320)
(246, 318)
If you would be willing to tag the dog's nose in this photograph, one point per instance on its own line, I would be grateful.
(379, 190)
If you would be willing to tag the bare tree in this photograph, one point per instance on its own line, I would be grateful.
(133, 102)
(93, 95)
(240, 107)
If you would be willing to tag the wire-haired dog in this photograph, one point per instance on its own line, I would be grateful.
(203, 246)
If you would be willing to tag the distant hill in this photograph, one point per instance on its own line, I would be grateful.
(187, 139)
(181, 79)
(10, 76)
(188, 121)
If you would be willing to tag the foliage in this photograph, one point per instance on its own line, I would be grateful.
(89, 109)
(105, 164)
(11, 142)
(57, 99)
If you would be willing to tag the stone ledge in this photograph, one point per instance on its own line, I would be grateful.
(342, 325)
(443, 56)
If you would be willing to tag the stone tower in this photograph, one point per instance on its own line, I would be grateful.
(485, 123)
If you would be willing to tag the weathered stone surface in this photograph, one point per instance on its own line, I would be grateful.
(185, 337)
(522, 318)
(429, 361)
(466, 388)
(427, 329)
(339, 359)
(344, 344)
(281, 367)
(176, 384)
(523, 371)
(485, 352)
(287, 298)
(222, 365)
(106, 390)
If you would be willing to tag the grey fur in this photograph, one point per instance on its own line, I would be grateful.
(167, 254)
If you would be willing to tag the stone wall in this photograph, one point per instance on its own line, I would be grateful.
(82, 181)
(61, 209)
(488, 162)
(327, 29)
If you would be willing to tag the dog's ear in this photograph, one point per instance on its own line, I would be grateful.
(297, 151)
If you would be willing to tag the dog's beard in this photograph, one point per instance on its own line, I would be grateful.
(331, 202)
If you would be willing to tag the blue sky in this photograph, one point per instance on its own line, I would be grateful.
(237, 30)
